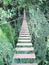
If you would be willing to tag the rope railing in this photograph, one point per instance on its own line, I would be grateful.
(10, 21)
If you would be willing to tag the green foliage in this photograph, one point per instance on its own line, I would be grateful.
(4, 15)
(9, 32)
(39, 28)
(7, 2)
(6, 28)
(5, 48)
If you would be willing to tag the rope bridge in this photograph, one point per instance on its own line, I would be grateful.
(24, 49)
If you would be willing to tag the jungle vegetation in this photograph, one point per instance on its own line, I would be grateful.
(11, 17)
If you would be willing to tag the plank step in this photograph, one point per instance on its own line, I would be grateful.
(24, 40)
(25, 64)
(24, 33)
(25, 49)
(24, 56)
(24, 44)
(25, 37)
(24, 30)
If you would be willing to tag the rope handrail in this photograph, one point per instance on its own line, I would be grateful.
(10, 21)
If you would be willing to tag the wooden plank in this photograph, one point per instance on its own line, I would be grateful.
(25, 64)
(25, 49)
(25, 56)
(24, 44)
(24, 40)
